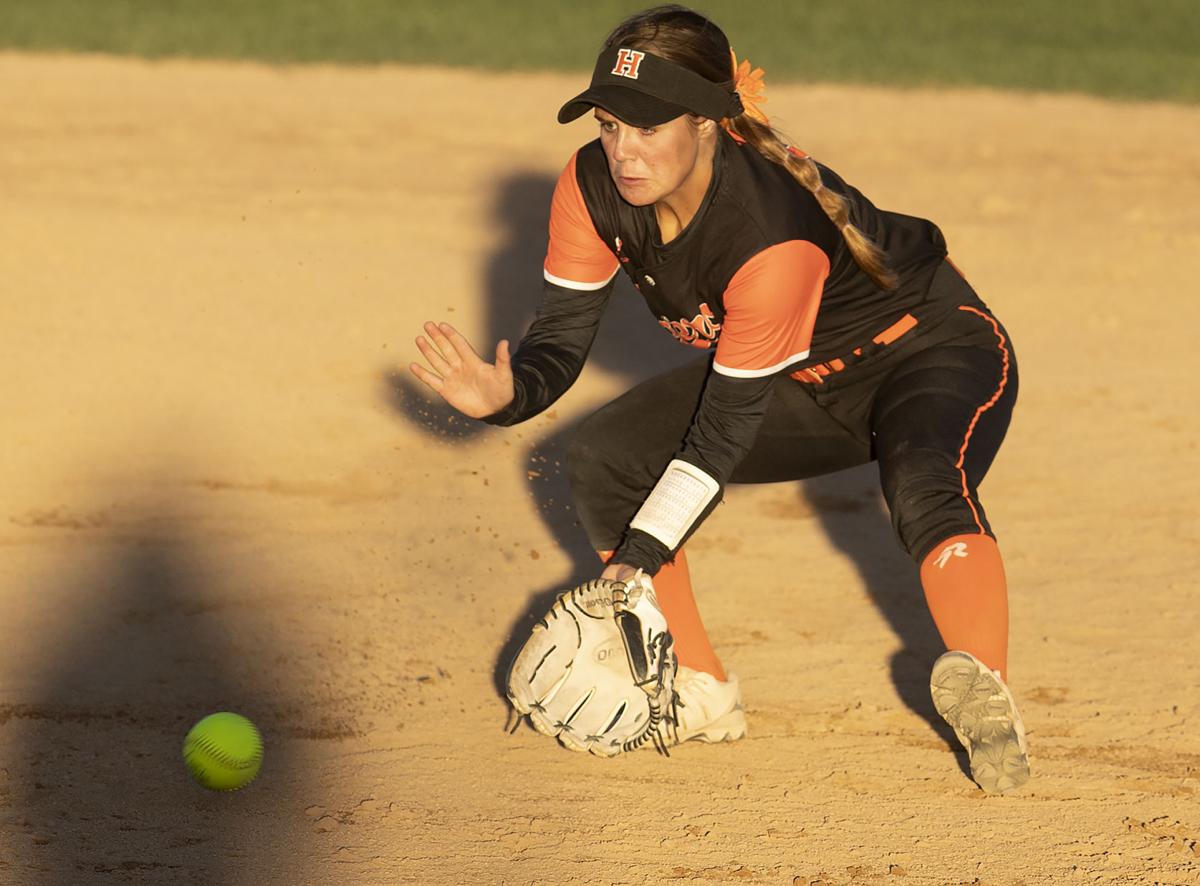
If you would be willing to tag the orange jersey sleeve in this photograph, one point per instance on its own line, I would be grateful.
(770, 308)
(577, 258)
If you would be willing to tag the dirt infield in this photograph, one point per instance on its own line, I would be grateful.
(221, 492)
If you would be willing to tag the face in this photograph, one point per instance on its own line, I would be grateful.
(649, 165)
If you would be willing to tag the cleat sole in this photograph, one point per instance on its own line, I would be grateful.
(975, 703)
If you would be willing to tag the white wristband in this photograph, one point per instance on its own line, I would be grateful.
(677, 500)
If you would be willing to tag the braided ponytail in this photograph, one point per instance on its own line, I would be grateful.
(687, 38)
(764, 139)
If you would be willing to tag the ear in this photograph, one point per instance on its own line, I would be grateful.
(705, 126)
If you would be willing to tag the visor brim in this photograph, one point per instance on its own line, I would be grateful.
(628, 105)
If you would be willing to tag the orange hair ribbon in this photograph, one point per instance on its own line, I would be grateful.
(748, 84)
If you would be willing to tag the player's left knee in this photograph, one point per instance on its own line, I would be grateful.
(926, 497)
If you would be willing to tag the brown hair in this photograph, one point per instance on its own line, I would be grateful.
(687, 38)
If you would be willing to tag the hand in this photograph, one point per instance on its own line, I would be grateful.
(618, 572)
(460, 375)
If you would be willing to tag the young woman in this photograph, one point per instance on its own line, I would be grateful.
(838, 333)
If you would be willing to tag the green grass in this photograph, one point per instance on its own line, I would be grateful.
(1121, 48)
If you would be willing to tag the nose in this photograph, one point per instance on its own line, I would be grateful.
(622, 149)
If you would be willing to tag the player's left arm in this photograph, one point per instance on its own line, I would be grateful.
(771, 307)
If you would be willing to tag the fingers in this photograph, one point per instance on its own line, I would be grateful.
(433, 381)
(435, 357)
(461, 347)
(449, 352)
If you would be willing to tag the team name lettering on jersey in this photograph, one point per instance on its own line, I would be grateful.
(699, 332)
(628, 61)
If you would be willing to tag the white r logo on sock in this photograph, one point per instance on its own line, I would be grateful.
(958, 549)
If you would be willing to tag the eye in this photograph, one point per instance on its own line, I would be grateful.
(607, 125)
(650, 131)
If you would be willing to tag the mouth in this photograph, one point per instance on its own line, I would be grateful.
(629, 181)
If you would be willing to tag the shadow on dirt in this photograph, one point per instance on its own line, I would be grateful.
(852, 513)
(97, 779)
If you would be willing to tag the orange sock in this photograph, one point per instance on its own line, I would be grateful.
(673, 588)
(963, 578)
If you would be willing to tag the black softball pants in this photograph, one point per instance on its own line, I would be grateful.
(932, 408)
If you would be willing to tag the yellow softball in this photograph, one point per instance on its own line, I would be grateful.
(223, 751)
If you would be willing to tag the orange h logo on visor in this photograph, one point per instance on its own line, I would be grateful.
(627, 63)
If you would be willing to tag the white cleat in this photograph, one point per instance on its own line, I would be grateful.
(705, 709)
(981, 709)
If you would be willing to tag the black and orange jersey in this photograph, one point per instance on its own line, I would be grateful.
(760, 276)
(760, 273)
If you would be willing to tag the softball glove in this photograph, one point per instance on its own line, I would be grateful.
(598, 671)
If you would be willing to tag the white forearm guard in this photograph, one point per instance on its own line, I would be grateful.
(677, 500)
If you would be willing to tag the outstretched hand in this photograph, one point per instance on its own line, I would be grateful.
(462, 378)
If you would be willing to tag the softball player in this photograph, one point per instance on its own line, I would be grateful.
(836, 333)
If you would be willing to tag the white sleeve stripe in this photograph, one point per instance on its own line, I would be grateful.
(575, 284)
(759, 373)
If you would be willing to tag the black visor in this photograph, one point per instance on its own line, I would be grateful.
(645, 90)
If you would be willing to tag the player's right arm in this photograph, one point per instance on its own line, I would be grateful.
(578, 272)
(578, 280)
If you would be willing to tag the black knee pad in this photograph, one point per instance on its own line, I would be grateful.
(925, 494)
